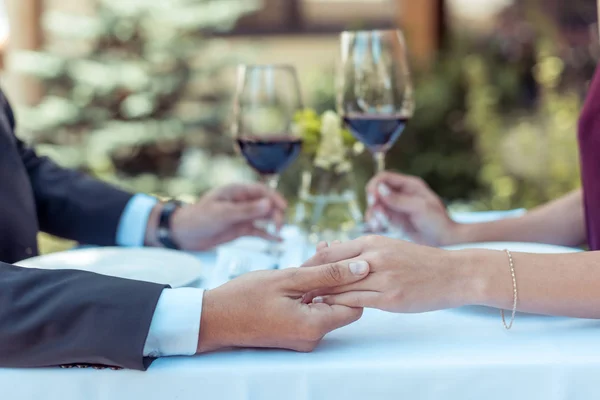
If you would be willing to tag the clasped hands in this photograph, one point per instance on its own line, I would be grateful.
(295, 308)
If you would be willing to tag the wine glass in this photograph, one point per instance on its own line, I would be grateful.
(267, 99)
(375, 95)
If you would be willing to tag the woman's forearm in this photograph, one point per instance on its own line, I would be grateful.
(553, 284)
(560, 222)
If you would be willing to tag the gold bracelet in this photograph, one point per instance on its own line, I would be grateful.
(515, 293)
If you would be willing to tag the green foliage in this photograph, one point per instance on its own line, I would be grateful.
(528, 158)
(438, 145)
(135, 93)
(309, 122)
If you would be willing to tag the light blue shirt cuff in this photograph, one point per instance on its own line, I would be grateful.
(134, 220)
(175, 326)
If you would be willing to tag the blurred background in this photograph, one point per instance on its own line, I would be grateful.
(139, 92)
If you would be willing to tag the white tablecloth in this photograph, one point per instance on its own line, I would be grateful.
(453, 354)
(456, 354)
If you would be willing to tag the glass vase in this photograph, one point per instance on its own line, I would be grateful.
(327, 207)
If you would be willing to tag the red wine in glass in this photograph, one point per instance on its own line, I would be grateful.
(269, 156)
(375, 93)
(267, 99)
(377, 132)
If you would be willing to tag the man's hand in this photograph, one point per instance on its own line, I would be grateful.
(407, 202)
(223, 215)
(265, 309)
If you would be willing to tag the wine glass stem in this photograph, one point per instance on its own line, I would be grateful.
(272, 181)
(273, 248)
(379, 158)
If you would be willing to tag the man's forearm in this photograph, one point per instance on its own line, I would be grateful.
(560, 222)
(59, 317)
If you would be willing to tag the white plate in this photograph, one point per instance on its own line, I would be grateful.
(522, 247)
(143, 264)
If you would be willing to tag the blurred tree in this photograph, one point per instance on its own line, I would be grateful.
(134, 93)
(529, 158)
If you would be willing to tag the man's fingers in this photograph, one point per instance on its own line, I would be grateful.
(240, 193)
(304, 280)
(256, 232)
(259, 190)
(237, 231)
(336, 316)
(249, 210)
(278, 200)
(278, 219)
(359, 299)
(332, 254)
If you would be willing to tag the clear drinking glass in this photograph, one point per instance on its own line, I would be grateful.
(267, 99)
(375, 94)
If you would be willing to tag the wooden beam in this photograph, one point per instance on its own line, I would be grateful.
(25, 34)
(423, 24)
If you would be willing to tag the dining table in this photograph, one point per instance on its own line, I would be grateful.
(462, 353)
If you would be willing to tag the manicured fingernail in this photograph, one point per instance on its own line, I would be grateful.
(318, 300)
(382, 219)
(336, 242)
(359, 267)
(384, 190)
(370, 200)
(373, 225)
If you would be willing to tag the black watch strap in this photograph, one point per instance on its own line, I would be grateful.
(165, 236)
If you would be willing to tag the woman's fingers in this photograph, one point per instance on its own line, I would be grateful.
(377, 219)
(358, 299)
(406, 204)
(397, 182)
(333, 254)
(322, 245)
(372, 283)
(278, 218)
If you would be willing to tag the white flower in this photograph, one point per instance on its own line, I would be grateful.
(331, 151)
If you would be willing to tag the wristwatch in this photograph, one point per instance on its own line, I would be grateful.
(165, 234)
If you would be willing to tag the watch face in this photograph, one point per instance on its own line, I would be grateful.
(163, 232)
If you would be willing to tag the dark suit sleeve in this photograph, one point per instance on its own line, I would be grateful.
(50, 318)
(70, 204)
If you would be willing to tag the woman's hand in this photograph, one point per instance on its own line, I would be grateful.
(408, 202)
(404, 277)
